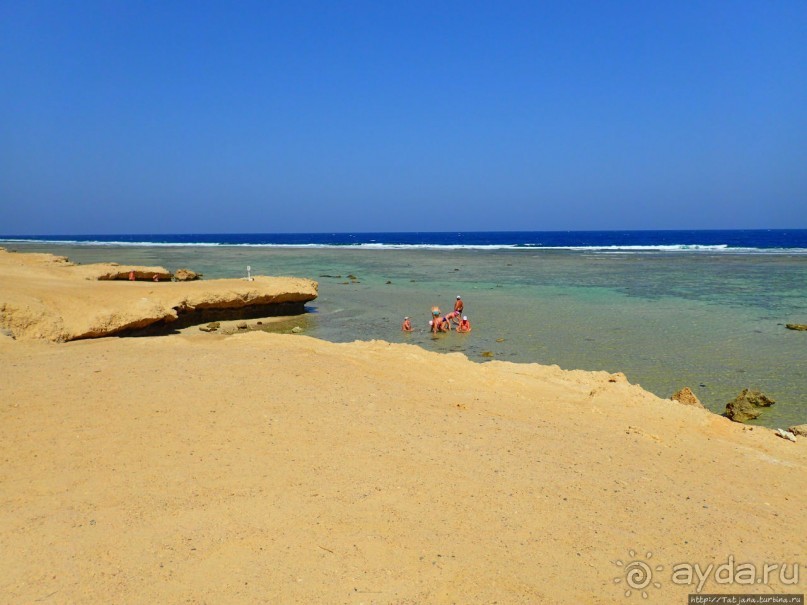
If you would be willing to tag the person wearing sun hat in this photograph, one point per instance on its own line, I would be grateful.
(406, 326)
(465, 325)
(459, 306)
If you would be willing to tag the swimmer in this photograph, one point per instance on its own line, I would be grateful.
(465, 325)
(406, 326)
(436, 323)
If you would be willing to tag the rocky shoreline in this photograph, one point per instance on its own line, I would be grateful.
(43, 296)
(304, 471)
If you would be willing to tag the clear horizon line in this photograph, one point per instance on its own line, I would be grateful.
(3, 237)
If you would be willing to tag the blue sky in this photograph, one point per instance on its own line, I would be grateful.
(148, 117)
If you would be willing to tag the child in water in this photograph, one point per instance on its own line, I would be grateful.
(406, 326)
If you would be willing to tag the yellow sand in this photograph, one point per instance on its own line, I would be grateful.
(264, 468)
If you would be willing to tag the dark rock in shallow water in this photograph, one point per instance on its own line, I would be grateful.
(799, 327)
(757, 398)
(741, 411)
(746, 405)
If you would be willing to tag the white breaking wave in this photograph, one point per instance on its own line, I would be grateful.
(722, 248)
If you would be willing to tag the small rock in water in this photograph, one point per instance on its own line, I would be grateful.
(388, 282)
(211, 327)
(296, 330)
(353, 277)
(799, 327)
(487, 353)
(500, 340)
(241, 325)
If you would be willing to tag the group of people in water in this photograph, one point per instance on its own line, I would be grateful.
(444, 323)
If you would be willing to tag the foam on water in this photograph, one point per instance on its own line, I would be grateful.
(764, 239)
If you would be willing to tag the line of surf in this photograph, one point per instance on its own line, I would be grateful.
(420, 246)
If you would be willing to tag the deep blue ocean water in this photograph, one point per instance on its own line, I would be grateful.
(728, 240)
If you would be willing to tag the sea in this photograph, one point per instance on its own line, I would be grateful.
(703, 309)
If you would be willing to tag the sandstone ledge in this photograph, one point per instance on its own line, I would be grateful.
(47, 297)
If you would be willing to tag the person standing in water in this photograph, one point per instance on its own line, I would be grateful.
(459, 306)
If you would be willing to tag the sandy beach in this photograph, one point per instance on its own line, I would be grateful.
(268, 468)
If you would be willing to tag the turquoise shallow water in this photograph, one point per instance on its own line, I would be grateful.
(711, 321)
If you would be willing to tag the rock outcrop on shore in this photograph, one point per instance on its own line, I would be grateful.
(799, 429)
(48, 297)
(687, 397)
(186, 275)
(113, 272)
